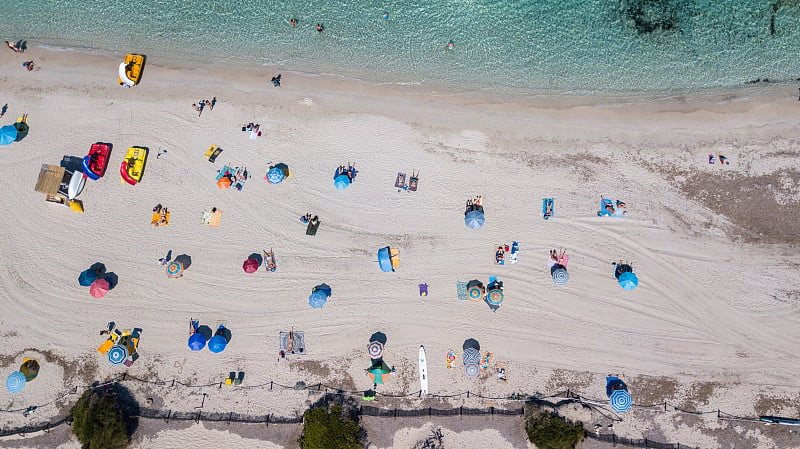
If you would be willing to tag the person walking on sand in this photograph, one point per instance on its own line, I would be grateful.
(276, 80)
(208, 105)
(213, 103)
(196, 107)
(200, 107)
(28, 65)
(3, 110)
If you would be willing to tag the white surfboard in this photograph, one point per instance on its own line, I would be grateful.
(76, 184)
(423, 371)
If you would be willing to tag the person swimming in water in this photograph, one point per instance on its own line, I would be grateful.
(385, 15)
(450, 45)
(293, 22)
(320, 28)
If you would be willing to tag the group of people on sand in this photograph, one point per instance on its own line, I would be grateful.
(559, 258)
(202, 104)
(474, 204)
(20, 47)
(348, 170)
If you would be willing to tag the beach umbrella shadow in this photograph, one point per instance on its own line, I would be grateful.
(257, 257)
(205, 331)
(471, 343)
(184, 260)
(379, 337)
(112, 279)
(225, 333)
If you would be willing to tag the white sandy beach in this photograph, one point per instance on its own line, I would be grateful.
(716, 304)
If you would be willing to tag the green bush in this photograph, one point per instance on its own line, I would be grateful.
(329, 430)
(98, 421)
(548, 431)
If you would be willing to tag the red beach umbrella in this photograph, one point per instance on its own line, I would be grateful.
(250, 265)
(99, 288)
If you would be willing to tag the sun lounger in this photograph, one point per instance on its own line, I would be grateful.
(298, 344)
(312, 227)
(400, 182)
(239, 378)
(231, 377)
(412, 183)
(212, 152)
(547, 208)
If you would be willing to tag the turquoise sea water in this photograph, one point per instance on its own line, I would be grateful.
(524, 46)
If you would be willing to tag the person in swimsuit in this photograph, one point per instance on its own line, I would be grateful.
(320, 28)
(293, 22)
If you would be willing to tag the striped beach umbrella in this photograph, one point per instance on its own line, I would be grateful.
(471, 355)
(472, 369)
(495, 297)
(620, 400)
(375, 350)
(15, 382)
(560, 276)
(174, 270)
(117, 355)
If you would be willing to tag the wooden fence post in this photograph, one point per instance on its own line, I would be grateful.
(270, 385)
(169, 414)
(197, 420)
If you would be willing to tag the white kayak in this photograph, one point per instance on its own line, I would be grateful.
(76, 184)
(423, 371)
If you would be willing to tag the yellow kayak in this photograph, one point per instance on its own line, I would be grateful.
(132, 167)
(130, 71)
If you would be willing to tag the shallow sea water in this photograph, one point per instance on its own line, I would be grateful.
(510, 46)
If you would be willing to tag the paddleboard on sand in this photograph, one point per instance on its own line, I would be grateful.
(76, 183)
(423, 371)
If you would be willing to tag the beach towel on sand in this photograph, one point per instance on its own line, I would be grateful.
(461, 288)
(450, 360)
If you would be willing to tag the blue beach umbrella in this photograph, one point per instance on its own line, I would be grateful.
(275, 175)
(317, 299)
(341, 182)
(117, 355)
(474, 219)
(87, 277)
(628, 280)
(15, 382)
(8, 134)
(620, 400)
(197, 342)
(217, 344)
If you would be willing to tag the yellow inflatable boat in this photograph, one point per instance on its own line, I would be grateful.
(132, 167)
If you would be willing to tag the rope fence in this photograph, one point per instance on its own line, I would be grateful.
(553, 401)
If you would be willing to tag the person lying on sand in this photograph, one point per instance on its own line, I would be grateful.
(14, 47)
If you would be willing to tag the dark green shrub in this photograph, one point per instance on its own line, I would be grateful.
(329, 430)
(548, 431)
(98, 420)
